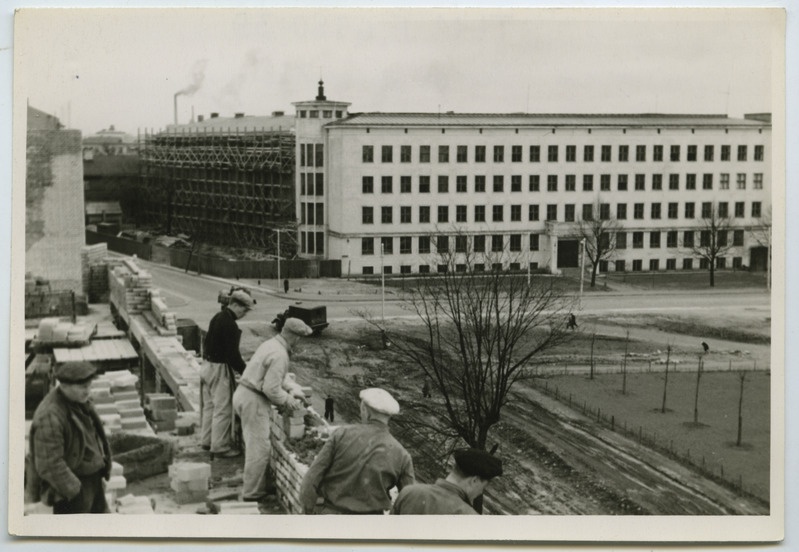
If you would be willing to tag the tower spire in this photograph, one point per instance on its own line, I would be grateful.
(321, 95)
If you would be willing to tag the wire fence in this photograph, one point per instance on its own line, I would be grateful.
(708, 468)
(654, 364)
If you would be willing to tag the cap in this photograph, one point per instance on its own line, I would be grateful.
(75, 372)
(242, 298)
(478, 462)
(297, 327)
(380, 400)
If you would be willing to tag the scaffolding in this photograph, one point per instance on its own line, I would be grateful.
(229, 187)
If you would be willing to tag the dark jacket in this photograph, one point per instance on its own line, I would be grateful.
(222, 341)
(57, 446)
(443, 498)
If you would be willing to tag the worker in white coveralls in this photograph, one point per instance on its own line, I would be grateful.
(265, 382)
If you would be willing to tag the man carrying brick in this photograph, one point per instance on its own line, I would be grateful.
(359, 464)
(69, 452)
(265, 382)
(222, 360)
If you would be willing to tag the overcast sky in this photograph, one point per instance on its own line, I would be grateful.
(101, 67)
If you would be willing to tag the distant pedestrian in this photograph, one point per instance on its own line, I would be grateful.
(426, 389)
(329, 409)
(572, 324)
(705, 346)
(286, 285)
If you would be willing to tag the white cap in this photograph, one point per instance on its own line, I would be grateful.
(297, 326)
(380, 400)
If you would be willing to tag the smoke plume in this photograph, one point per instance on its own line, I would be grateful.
(197, 78)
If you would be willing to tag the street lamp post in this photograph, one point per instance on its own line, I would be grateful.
(582, 269)
(382, 287)
(278, 259)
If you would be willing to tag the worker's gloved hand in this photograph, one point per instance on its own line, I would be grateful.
(292, 404)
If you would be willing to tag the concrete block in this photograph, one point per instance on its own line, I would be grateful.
(162, 403)
(186, 471)
(126, 396)
(115, 483)
(161, 415)
(128, 403)
(134, 423)
(190, 497)
(104, 409)
(116, 469)
(192, 485)
(130, 413)
(184, 427)
(163, 425)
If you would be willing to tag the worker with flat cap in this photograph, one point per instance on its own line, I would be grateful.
(473, 469)
(266, 382)
(359, 464)
(69, 452)
(221, 362)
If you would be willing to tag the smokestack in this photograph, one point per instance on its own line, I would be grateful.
(214, 115)
(200, 118)
(239, 115)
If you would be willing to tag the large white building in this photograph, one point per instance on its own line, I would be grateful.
(410, 184)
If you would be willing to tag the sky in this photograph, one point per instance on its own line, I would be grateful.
(96, 68)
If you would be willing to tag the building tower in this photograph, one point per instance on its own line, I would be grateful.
(311, 195)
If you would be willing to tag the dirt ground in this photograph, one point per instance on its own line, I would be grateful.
(557, 462)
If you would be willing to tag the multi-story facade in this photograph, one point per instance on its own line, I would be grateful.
(410, 184)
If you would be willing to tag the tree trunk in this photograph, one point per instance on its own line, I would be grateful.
(593, 273)
(712, 273)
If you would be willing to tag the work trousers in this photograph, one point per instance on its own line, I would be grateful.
(217, 412)
(253, 408)
(90, 499)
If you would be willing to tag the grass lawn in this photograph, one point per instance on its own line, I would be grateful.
(689, 279)
(713, 438)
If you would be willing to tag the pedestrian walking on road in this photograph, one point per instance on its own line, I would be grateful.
(426, 389)
(572, 323)
(266, 382)
(473, 470)
(359, 464)
(329, 409)
(221, 362)
(69, 451)
(286, 285)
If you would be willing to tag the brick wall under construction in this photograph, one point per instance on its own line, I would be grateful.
(232, 187)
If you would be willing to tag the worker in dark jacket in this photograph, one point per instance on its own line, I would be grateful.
(69, 452)
(467, 480)
(221, 361)
(359, 464)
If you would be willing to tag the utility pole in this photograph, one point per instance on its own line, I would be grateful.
(278, 259)
(582, 269)
(382, 287)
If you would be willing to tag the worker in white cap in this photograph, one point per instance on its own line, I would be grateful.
(221, 362)
(359, 464)
(266, 382)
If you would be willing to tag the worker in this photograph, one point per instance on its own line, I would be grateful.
(472, 471)
(266, 382)
(359, 464)
(330, 413)
(221, 362)
(69, 451)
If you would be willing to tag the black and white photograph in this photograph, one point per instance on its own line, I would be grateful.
(517, 263)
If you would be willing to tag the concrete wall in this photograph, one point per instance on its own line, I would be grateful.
(54, 227)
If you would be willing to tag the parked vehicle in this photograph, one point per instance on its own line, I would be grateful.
(315, 317)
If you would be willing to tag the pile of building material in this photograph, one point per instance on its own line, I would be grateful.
(95, 263)
(129, 287)
(189, 480)
(116, 483)
(132, 504)
(117, 402)
(161, 410)
(162, 320)
(54, 331)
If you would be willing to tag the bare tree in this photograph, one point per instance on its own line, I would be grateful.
(481, 330)
(714, 239)
(762, 235)
(598, 228)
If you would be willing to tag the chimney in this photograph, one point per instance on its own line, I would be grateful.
(200, 118)
(278, 113)
(214, 115)
(239, 115)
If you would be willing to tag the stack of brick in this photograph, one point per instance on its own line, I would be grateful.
(104, 404)
(130, 287)
(161, 410)
(289, 473)
(164, 321)
(126, 399)
(189, 480)
(94, 272)
(55, 331)
(131, 504)
(116, 483)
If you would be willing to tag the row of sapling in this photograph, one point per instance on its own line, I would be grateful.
(599, 230)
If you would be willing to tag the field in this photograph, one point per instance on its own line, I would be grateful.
(710, 443)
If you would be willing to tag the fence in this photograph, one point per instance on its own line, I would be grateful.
(652, 365)
(214, 266)
(709, 469)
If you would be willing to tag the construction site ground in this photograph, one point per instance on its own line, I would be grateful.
(557, 461)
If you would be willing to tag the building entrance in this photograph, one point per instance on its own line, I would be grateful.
(758, 259)
(568, 253)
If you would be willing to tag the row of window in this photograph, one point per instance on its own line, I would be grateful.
(619, 266)
(553, 152)
(320, 113)
(497, 243)
(312, 155)
(707, 211)
(656, 183)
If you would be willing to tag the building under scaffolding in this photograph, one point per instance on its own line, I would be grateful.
(223, 181)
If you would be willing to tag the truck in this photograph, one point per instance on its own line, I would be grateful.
(314, 317)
